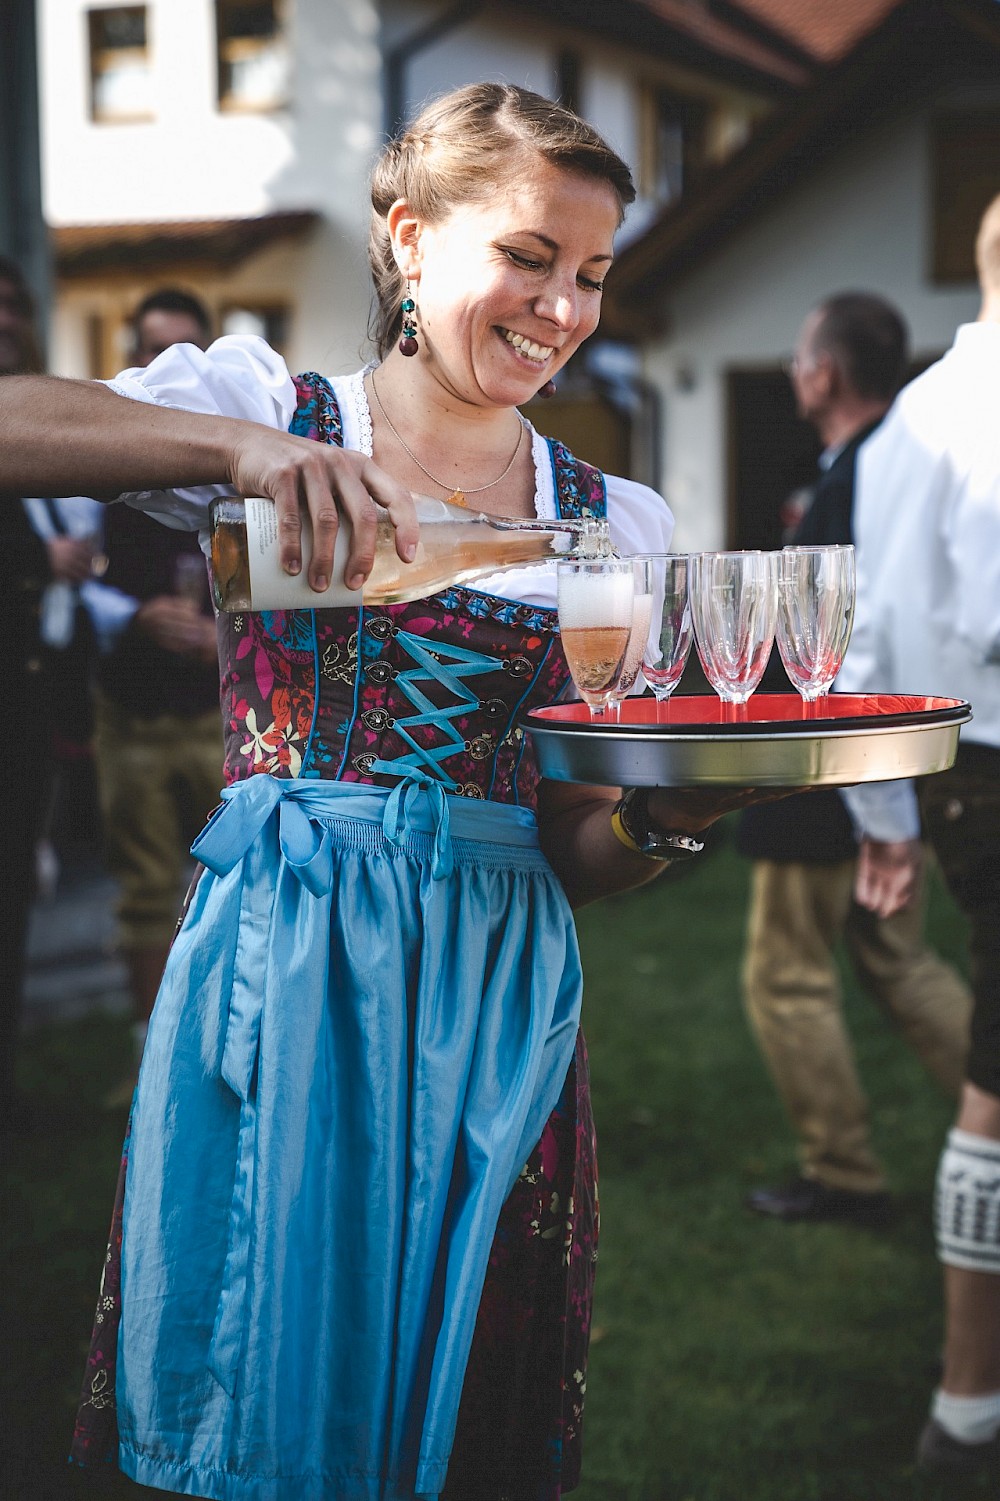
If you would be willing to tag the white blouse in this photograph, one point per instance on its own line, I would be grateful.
(242, 376)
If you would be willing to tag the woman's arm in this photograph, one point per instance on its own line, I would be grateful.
(107, 445)
(576, 834)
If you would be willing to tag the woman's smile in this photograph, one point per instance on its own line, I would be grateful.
(535, 353)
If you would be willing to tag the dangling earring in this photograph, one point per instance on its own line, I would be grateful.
(549, 389)
(408, 343)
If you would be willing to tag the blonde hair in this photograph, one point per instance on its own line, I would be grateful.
(988, 248)
(458, 150)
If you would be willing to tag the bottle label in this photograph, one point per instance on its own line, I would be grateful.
(271, 588)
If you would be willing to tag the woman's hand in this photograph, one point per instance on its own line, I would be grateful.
(689, 810)
(332, 483)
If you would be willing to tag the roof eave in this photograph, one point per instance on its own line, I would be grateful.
(632, 25)
(89, 250)
(790, 143)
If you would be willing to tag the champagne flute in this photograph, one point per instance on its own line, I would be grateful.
(595, 620)
(733, 610)
(669, 640)
(643, 600)
(816, 587)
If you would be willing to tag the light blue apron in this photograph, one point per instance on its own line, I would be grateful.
(364, 1024)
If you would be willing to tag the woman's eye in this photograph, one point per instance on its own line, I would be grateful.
(592, 286)
(524, 260)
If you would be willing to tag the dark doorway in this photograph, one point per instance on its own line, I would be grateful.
(771, 460)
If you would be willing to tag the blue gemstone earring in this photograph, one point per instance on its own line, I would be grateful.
(408, 343)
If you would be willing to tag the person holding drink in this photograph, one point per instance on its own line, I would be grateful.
(358, 1228)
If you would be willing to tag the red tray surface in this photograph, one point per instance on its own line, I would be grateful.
(764, 712)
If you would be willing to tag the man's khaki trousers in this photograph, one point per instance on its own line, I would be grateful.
(793, 999)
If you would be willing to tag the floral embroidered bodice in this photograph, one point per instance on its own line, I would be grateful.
(434, 688)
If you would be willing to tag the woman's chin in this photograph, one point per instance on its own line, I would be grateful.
(516, 387)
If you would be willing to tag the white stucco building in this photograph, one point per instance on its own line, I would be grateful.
(873, 182)
(225, 145)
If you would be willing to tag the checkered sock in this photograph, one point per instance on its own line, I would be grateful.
(972, 1420)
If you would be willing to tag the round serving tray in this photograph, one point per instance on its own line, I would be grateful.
(775, 740)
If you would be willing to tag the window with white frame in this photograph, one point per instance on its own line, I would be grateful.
(253, 54)
(120, 64)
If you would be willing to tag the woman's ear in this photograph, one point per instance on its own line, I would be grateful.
(405, 230)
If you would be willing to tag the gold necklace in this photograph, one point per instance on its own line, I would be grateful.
(443, 485)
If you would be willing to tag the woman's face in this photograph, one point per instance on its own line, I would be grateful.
(506, 291)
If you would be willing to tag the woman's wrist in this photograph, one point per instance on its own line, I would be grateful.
(633, 827)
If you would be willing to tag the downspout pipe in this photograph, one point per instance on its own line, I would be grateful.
(23, 233)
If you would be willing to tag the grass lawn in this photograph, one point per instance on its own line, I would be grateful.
(734, 1359)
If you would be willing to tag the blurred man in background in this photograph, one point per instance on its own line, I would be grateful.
(29, 565)
(928, 621)
(850, 359)
(159, 738)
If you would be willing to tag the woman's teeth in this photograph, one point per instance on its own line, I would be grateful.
(528, 347)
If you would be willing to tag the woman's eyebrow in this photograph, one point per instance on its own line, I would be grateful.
(555, 246)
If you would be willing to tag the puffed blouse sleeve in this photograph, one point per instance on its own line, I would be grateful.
(237, 376)
(639, 519)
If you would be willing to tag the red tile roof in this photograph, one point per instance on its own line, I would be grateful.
(723, 36)
(825, 29)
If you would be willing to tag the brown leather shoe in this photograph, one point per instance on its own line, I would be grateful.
(940, 1454)
(808, 1199)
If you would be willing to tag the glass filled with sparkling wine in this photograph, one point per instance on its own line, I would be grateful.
(643, 598)
(595, 621)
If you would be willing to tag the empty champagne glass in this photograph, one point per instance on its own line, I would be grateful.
(816, 588)
(595, 621)
(669, 633)
(733, 611)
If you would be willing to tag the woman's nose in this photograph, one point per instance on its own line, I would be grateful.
(560, 305)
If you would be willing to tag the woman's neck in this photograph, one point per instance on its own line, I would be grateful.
(421, 429)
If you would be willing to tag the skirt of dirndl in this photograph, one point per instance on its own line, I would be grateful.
(367, 1024)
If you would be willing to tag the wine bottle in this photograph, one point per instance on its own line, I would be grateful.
(455, 546)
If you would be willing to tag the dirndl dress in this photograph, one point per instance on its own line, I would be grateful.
(352, 1256)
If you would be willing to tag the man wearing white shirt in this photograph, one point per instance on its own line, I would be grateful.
(927, 521)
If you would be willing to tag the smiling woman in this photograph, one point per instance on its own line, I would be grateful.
(494, 219)
(354, 1247)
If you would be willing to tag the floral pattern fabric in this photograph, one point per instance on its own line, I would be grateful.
(436, 685)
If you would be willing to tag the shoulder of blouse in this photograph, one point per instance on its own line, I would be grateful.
(238, 375)
(640, 519)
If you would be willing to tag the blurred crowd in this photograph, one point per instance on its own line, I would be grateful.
(112, 637)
